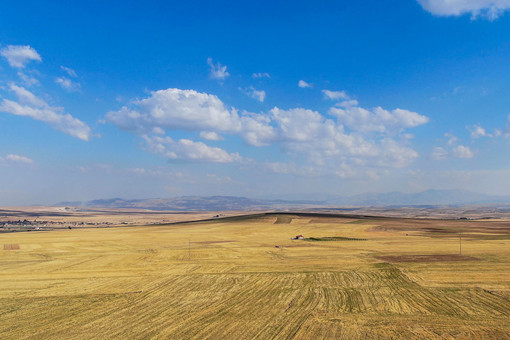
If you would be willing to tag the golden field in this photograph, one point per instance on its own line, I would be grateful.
(244, 278)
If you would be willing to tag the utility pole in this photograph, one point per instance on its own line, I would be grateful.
(460, 244)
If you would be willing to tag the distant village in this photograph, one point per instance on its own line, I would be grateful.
(35, 225)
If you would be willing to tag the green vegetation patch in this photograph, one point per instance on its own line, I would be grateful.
(334, 238)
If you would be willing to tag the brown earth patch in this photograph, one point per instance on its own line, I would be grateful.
(213, 242)
(12, 246)
(426, 258)
(283, 220)
(442, 227)
(331, 220)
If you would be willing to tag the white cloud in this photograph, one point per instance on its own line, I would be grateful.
(451, 149)
(176, 109)
(347, 103)
(27, 79)
(259, 95)
(377, 119)
(217, 71)
(323, 141)
(335, 95)
(452, 139)
(477, 131)
(34, 107)
(210, 135)
(439, 153)
(185, 149)
(18, 56)
(27, 97)
(490, 9)
(69, 71)
(261, 75)
(462, 151)
(67, 84)
(304, 134)
(19, 159)
(256, 129)
(304, 84)
(16, 159)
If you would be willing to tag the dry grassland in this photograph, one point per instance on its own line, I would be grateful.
(140, 283)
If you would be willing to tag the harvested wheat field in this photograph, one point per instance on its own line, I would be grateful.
(244, 278)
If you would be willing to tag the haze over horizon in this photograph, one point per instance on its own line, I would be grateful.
(164, 99)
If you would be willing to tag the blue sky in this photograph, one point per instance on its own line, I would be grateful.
(305, 100)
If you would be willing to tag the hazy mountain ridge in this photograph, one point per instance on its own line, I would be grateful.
(199, 203)
(211, 203)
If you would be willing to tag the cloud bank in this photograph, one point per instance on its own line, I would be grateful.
(354, 136)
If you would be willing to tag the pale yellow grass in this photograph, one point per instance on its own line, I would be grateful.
(141, 283)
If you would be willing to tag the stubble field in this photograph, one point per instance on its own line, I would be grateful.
(244, 278)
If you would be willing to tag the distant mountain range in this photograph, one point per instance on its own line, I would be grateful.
(190, 203)
(217, 203)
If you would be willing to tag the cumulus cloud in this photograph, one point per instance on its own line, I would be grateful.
(304, 84)
(335, 95)
(322, 141)
(462, 151)
(186, 149)
(67, 84)
(251, 92)
(452, 149)
(217, 71)
(477, 131)
(490, 9)
(175, 109)
(304, 134)
(36, 108)
(377, 119)
(347, 103)
(261, 75)
(210, 135)
(256, 129)
(18, 56)
(452, 139)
